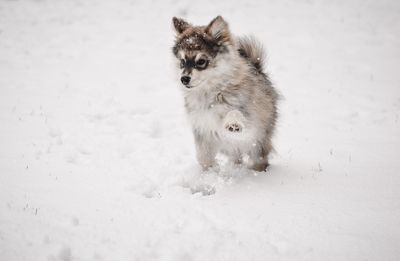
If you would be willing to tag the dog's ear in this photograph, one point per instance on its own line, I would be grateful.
(180, 25)
(218, 29)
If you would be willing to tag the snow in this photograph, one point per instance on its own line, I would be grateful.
(97, 159)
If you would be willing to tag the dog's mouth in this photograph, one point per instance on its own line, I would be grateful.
(192, 85)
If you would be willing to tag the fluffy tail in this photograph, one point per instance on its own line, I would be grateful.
(253, 51)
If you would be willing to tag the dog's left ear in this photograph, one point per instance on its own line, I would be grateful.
(180, 25)
(218, 29)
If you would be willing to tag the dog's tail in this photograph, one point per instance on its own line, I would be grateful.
(253, 51)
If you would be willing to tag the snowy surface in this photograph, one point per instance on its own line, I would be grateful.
(97, 159)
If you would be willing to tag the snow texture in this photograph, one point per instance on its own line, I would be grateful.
(97, 159)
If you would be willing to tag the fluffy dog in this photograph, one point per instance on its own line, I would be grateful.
(230, 101)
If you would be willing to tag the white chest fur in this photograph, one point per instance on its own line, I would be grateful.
(205, 112)
(205, 121)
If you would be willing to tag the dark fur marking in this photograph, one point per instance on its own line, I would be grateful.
(189, 64)
(196, 42)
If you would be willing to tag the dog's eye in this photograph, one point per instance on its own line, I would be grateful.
(182, 63)
(201, 62)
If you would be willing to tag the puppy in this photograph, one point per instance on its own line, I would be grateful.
(229, 99)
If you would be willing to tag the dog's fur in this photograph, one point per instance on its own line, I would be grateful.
(230, 100)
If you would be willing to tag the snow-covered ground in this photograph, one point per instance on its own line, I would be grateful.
(97, 159)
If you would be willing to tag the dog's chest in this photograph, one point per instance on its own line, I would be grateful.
(205, 112)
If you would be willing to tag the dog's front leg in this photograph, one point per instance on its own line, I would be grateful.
(205, 150)
(259, 155)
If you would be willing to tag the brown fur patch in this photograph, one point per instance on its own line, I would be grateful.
(211, 38)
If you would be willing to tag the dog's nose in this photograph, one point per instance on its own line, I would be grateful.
(185, 80)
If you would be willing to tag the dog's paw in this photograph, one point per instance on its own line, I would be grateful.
(234, 127)
(234, 122)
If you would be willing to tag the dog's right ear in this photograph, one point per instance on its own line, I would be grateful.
(180, 25)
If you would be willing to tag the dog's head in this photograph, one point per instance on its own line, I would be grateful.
(200, 49)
